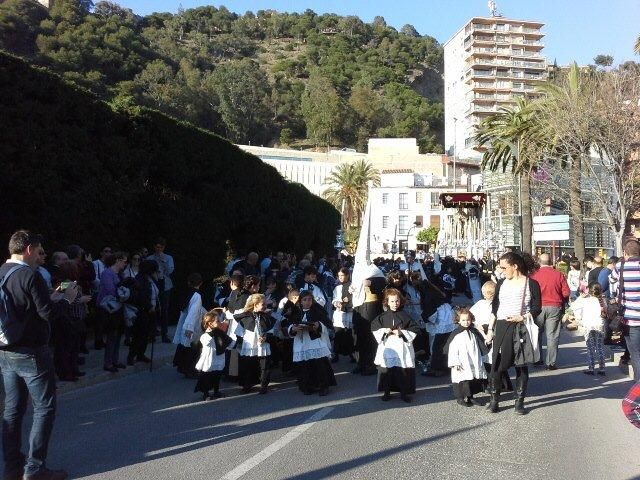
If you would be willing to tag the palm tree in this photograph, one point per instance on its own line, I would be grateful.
(636, 48)
(565, 113)
(349, 189)
(508, 136)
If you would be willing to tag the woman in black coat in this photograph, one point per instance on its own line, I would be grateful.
(517, 300)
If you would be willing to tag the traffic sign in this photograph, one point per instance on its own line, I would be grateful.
(553, 235)
(550, 219)
(551, 227)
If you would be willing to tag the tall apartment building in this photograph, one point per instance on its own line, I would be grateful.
(488, 63)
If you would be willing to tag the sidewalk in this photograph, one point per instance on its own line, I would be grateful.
(162, 355)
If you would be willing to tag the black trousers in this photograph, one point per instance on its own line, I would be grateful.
(366, 343)
(254, 370)
(315, 374)
(140, 331)
(208, 381)
(497, 374)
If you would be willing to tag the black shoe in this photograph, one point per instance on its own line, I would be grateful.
(47, 474)
(588, 372)
(386, 397)
(166, 339)
(475, 402)
(519, 407)
(405, 398)
(552, 367)
(246, 389)
(143, 359)
(494, 403)
(463, 403)
(539, 363)
(218, 395)
(111, 369)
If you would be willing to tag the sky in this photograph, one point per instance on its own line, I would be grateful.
(576, 30)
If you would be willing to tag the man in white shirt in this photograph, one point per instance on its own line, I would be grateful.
(165, 285)
(99, 266)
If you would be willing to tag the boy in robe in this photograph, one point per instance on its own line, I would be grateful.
(188, 329)
(309, 326)
(215, 343)
(466, 348)
(254, 327)
(343, 317)
(395, 330)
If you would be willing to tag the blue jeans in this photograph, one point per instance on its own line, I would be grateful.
(633, 345)
(27, 372)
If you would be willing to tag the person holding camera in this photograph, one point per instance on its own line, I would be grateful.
(25, 358)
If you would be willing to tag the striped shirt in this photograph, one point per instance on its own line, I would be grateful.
(629, 291)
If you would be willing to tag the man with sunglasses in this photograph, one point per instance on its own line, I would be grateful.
(25, 359)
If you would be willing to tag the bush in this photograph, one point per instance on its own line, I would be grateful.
(80, 172)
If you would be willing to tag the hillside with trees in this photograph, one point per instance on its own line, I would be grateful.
(293, 79)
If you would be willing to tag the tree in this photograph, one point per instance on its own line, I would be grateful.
(19, 25)
(603, 60)
(567, 115)
(241, 90)
(509, 136)
(321, 106)
(428, 235)
(349, 190)
(286, 136)
(379, 22)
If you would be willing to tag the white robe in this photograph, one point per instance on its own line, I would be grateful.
(464, 352)
(305, 348)
(481, 311)
(190, 321)
(340, 319)
(209, 361)
(393, 351)
(250, 345)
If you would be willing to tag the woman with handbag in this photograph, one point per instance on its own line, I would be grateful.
(517, 302)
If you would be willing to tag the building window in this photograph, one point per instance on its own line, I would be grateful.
(435, 200)
(385, 222)
(385, 198)
(418, 197)
(419, 220)
(434, 221)
(403, 224)
(403, 201)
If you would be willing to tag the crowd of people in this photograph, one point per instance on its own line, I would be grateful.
(392, 318)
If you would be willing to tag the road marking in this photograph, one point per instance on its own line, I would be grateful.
(188, 444)
(290, 436)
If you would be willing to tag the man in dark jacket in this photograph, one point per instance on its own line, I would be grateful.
(26, 363)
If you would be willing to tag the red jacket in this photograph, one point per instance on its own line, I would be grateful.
(553, 285)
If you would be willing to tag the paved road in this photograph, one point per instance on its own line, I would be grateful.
(151, 426)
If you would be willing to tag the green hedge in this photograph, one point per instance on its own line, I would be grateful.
(80, 172)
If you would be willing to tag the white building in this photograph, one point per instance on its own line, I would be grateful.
(311, 169)
(488, 63)
(405, 203)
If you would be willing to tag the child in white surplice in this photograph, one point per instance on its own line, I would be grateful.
(394, 330)
(309, 326)
(254, 326)
(466, 349)
(211, 363)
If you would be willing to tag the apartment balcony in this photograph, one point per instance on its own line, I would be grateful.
(473, 109)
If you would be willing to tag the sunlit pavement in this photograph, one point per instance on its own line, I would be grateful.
(152, 425)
